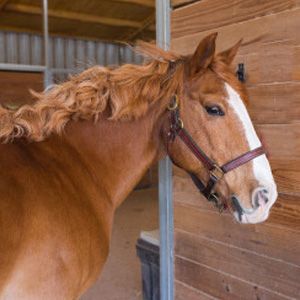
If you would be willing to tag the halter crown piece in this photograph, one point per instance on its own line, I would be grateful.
(216, 172)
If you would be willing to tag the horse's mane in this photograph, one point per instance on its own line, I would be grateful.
(124, 93)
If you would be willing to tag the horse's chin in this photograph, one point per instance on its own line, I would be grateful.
(250, 218)
(252, 215)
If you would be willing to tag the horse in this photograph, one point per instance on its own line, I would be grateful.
(71, 158)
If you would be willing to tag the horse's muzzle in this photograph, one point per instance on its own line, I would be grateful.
(262, 200)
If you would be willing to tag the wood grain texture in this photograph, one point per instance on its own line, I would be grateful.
(283, 146)
(207, 14)
(185, 292)
(15, 87)
(149, 3)
(270, 63)
(287, 179)
(69, 15)
(219, 285)
(280, 140)
(272, 241)
(258, 270)
(106, 20)
(255, 33)
(286, 212)
(176, 3)
(275, 103)
(269, 57)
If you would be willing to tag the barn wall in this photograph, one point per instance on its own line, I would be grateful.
(177, 3)
(67, 55)
(215, 257)
(15, 87)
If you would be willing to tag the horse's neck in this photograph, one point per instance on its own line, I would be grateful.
(118, 152)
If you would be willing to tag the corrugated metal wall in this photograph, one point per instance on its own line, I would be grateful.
(67, 55)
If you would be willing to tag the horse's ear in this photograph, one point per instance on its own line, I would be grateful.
(228, 55)
(204, 54)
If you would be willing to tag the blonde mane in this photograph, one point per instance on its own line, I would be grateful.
(125, 93)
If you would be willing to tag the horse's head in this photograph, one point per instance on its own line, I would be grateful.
(212, 109)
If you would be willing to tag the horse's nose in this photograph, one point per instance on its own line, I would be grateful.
(260, 197)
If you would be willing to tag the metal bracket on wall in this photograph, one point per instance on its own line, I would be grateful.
(240, 73)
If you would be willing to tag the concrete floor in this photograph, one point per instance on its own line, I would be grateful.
(121, 277)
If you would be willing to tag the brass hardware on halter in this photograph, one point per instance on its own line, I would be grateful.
(217, 172)
(180, 123)
(174, 104)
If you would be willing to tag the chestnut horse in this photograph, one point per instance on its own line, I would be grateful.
(70, 159)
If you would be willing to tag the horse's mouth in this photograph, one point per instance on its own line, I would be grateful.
(241, 213)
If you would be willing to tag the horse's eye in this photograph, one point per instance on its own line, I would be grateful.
(214, 110)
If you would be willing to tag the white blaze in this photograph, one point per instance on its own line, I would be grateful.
(261, 167)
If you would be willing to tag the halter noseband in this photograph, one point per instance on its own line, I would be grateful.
(216, 172)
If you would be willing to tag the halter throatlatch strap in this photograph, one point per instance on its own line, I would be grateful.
(216, 172)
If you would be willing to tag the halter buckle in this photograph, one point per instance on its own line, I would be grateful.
(173, 105)
(217, 172)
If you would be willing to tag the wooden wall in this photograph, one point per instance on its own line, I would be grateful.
(215, 257)
(177, 3)
(14, 87)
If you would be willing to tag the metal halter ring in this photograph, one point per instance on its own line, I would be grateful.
(174, 105)
(180, 123)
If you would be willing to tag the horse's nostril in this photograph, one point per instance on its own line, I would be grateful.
(260, 197)
(256, 200)
(265, 197)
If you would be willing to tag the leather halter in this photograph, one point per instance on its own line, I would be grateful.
(216, 172)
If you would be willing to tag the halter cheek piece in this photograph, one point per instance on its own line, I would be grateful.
(216, 172)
